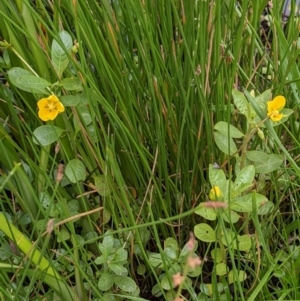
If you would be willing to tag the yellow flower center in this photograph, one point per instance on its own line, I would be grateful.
(275, 113)
(51, 106)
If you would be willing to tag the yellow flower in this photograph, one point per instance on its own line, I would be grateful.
(215, 193)
(274, 106)
(49, 108)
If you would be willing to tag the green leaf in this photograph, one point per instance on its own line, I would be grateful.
(205, 233)
(171, 243)
(237, 242)
(186, 250)
(166, 282)
(32, 84)
(171, 247)
(25, 219)
(71, 83)
(170, 253)
(216, 254)
(6, 58)
(241, 276)
(75, 171)
(221, 269)
(257, 156)
(91, 237)
(28, 82)
(155, 260)
(206, 288)
(70, 100)
(174, 268)
(217, 178)
(265, 208)
(120, 255)
(244, 177)
(106, 281)
(101, 259)
(125, 284)
(63, 235)
(244, 242)
(107, 245)
(118, 269)
(207, 213)
(46, 134)
(233, 132)
(262, 99)
(58, 54)
(227, 146)
(264, 163)
(195, 272)
(141, 269)
(73, 206)
(101, 185)
(156, 290)
(244, 203)
(273, 163)
(230, 216)
(16, 72)
(240, 102)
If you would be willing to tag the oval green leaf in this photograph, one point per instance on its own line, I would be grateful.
(70, 100)
(125, 284)
(75, 171)
(71, 83)
(244, 177)
(59, 56)
(221, 269)
(228, 130)
(205, 232)
(207, 213)
(101, 185)
(46, 134)
(240, 277)
(227, 146)
(216, 254)
(240, 102)
(106, 281)
(32, 84)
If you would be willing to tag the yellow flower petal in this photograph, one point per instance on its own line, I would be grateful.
(42, 103)
(274, 106)
(53, 98)
(49, 108)
(279, 102)
(276, 117)
(60, 107)
(43, 114)
(52, 115)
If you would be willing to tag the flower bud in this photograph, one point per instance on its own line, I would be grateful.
(215, 193)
